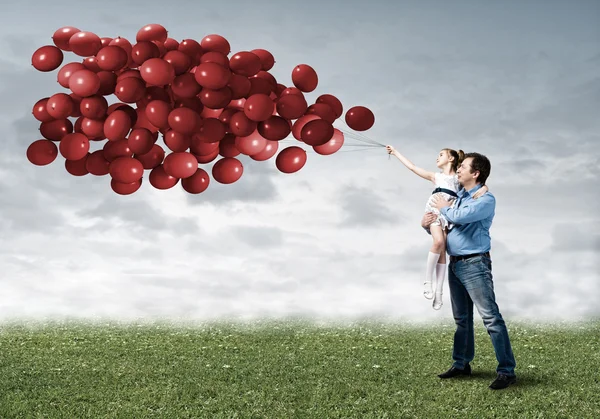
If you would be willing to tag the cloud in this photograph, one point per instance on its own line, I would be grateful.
(576, 237)
(259, 237)
(362, 207)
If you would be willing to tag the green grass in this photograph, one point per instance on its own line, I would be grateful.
(289, 369)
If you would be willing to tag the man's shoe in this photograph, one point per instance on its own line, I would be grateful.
(503, 381)
(453, 372)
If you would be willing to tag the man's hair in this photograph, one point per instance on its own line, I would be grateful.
(481, 164)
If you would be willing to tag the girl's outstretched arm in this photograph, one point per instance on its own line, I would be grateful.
(410, 165)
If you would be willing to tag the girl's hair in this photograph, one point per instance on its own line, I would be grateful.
(459, 156)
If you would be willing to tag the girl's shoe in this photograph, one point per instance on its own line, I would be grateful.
(437, 302)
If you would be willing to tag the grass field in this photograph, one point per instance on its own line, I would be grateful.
(289, 369)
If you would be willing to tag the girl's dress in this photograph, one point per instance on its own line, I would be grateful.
(446, 186)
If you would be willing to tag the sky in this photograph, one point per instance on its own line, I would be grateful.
(517, 81)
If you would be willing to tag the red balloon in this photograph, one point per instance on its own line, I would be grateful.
(126, 169)
(291, 91)
(85, 43)
(227, 146)
(129, 73)
(177, 141)
(40, 112)
(140, 140)
(185, 86)
(268, 77)
(96, 164)
(240, 86)
(171, 44)
(317, 132)
(108, 82)
(212, 131)
(252, 144)
(180, 165)
(268, 152)
(208, 158)
(215, 99)
(360, 118)
(157, 72)
(93, 128)
(291, 159)
(227, 170)
(56, 130)
(225, 117)
(84, 83)
(76, 112)
(112, 58)
(322, 110)
(42, 152)
(61, 37)
(60, 106)
(77, 167)
(180, 61)
(122, 43)
(215, 43)
(94, 107)
(153, 158)
(259, 107)
(245, 63)
(160, 179)
(202, 149)
(212, 75)
(238, 104)
(210, 113)
(105, 41)
(66, 71)
(291, 106)
(331, 146)
(125, 188)
(74, 146)
(266, 58)
(144, 51)
(152, 32)
(115, 149)
(91, 63)
(299, 124)
(333, 102)
(275, 128)
(47, 58)
(161, 48)
(183, 120)
(117, 126)
(197, 183)
(133, 113)
(240, 125)
(260, 86)
(305, 78)
(153, 93)
(158, 112)
(215, 57)
(130, 90)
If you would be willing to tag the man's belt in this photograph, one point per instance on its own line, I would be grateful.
(448, 191)
(463, 257)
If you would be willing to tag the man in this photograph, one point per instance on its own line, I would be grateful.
(470, 272)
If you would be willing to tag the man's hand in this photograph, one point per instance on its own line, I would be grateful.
(428, 218)
(439, 203)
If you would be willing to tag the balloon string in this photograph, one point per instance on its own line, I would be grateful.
(354, 137)
(362, 136)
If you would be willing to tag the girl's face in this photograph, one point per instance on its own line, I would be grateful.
(442, 158)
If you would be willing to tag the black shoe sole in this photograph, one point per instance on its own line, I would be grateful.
(511, 382)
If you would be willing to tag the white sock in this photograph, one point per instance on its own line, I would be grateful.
(432, 259)
(439, 285)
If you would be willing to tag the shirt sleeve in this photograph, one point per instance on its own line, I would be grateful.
(474, 210)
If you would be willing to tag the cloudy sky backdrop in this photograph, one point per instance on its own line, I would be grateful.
(518, 81)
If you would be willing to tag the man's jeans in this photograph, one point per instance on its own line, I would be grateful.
(470, 281)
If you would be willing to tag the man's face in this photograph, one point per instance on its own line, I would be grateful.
(463, 173)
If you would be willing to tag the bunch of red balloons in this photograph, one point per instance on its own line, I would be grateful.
(203, 101)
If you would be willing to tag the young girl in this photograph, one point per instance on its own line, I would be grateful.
(447, 185)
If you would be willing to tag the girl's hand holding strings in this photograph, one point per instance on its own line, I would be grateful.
(390, 149)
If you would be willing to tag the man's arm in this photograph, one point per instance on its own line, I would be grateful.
(475, 210)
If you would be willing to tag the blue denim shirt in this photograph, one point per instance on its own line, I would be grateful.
(472, 219)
